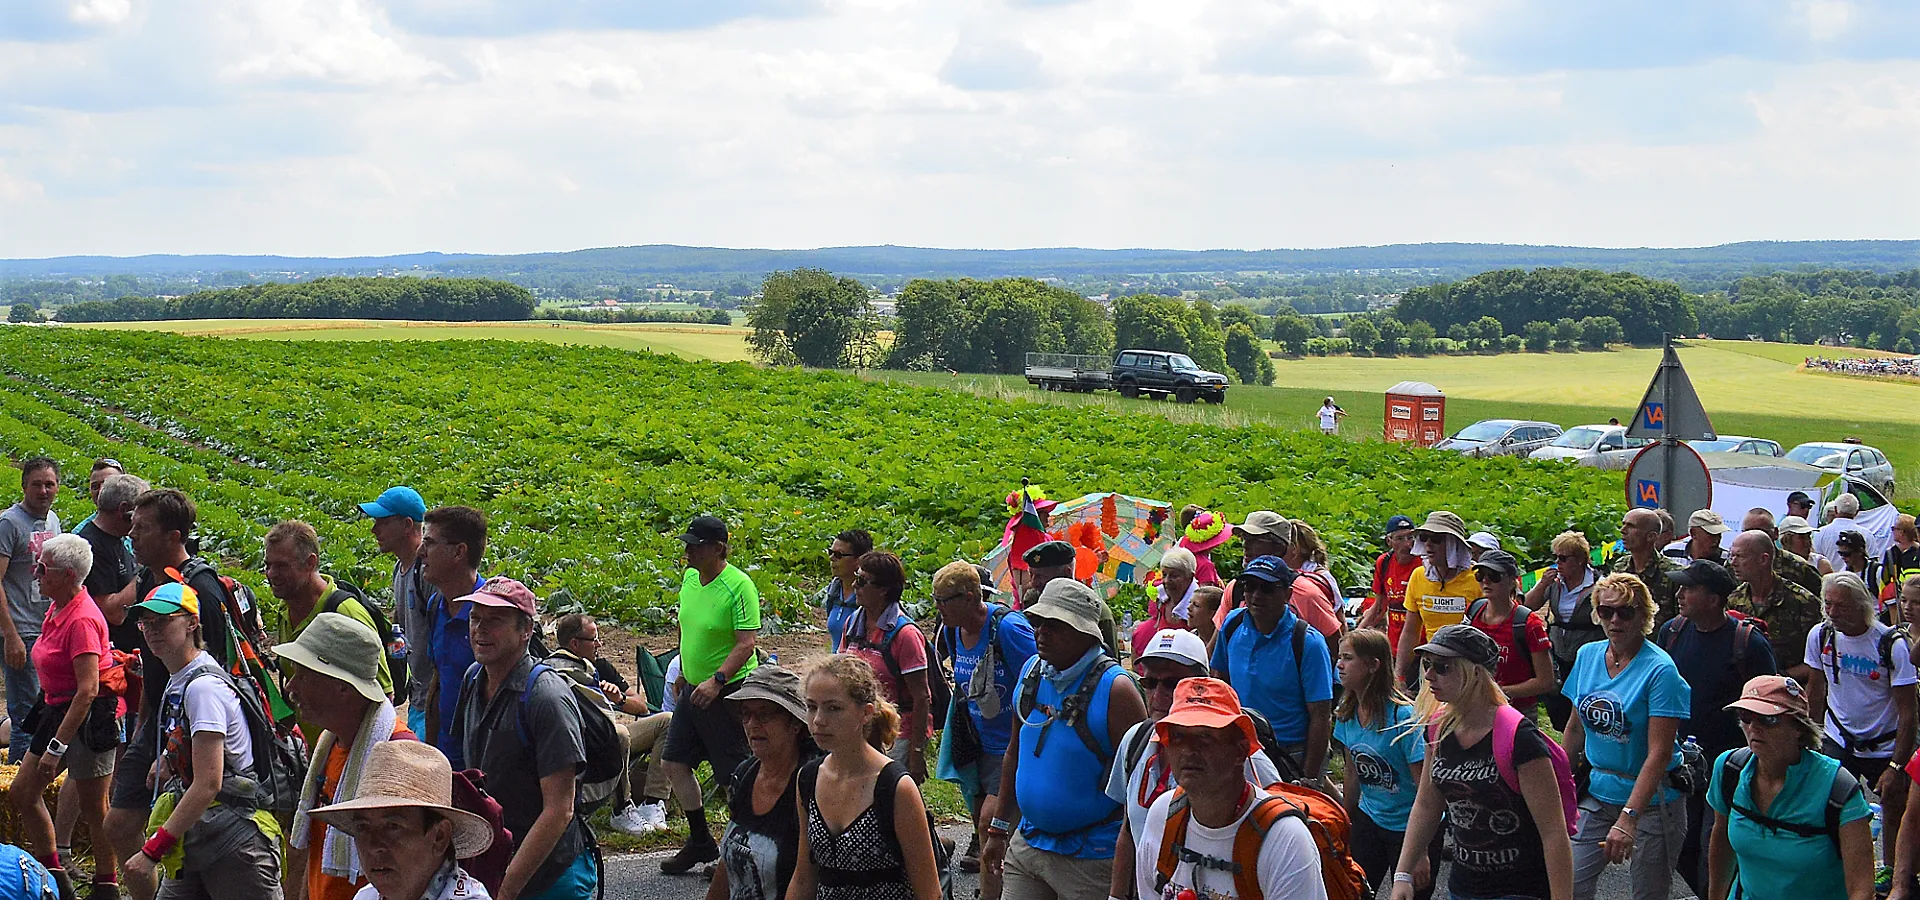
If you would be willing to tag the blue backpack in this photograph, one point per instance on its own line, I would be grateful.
(22, 877)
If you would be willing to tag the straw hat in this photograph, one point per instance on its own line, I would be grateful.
(411, 774)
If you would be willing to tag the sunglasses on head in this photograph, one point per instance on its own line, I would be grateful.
(1761, 719)
(1615, 612)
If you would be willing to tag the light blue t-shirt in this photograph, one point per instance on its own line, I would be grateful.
(1781, 865)
(1383, 762)
(1262, 671)
(1614, 713)
(1014, 638)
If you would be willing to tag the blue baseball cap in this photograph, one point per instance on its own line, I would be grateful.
(397, 501)
(1397, 523)
(1270, 569)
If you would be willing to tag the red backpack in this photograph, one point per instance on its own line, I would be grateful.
(1324, 817)
(1506, 724)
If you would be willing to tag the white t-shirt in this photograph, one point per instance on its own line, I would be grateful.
(1288, 867)
(1826, 538)
(211, 706)
(1329, 418)
(1124, 787)
(1859, 690)
(672, 675)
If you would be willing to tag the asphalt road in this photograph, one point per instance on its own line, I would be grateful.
(636, 876)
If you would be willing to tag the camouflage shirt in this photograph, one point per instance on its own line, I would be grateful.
(1790, 613)
(1795, 568)
(1656, 580)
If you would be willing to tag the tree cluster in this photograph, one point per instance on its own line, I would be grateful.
(1388, 336)
(625, 314)
(1860, 309)
(810, 317)
(966, 325)
(429, 299)
(1647, 309)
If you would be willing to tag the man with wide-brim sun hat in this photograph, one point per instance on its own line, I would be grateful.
(406, 830)
(1440, 590)
(1207, 530)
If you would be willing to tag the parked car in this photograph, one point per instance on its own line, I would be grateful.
(1858, 460)
(1501, 437)
(1137, 372)
(1600, 446)
(1734, 443)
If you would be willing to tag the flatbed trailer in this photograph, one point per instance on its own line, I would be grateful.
(1077, 373)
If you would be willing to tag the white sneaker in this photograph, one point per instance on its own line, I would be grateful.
(630, 821)
(654, 815)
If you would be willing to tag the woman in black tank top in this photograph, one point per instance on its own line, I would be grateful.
(762, 840)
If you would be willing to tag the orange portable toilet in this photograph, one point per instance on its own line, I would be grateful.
(1416, 413)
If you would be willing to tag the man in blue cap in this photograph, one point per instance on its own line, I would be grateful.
(1279, 666)
(397, 515)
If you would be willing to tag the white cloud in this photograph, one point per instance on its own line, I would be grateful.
(357, 126)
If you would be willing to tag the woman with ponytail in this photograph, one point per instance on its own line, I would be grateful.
(865, 834)
(1385, 752)
(1506, 843)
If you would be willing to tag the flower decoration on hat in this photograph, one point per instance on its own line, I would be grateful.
(1207, 531)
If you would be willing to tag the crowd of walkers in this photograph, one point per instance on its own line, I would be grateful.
(1907, 367)
(1721, 715)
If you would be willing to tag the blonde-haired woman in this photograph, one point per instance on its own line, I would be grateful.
(1564, 595)
(1308, 556)
(1629, 701)
(849, 849)
(1506, 843)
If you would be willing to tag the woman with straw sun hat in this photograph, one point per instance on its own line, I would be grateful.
(408, 834)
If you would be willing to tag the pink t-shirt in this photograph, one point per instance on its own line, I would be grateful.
(909, 650)
(70, 630)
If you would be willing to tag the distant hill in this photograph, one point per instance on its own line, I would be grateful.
(699, 267)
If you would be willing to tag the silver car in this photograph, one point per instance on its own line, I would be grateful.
(1734, 443)
(1600, 446)
(1501, 437)
(1858, 460)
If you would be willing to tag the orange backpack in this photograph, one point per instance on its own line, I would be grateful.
(1324, 817)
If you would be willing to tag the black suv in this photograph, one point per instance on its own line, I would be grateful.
(1166, 374)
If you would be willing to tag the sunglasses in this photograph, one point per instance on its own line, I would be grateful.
(861, 580)
(1765, 721)
(39, 569)
(1438, 665)
(1563, 557)
(1154, 684)
(1615, 612)
(835, 554)
(1485, 577)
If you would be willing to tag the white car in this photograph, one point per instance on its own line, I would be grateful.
(1734, 443)
(1600, 446)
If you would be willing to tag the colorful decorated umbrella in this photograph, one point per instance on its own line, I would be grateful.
(1118, 540)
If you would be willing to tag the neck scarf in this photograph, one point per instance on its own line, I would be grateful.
(1065, 679)
(337, 856)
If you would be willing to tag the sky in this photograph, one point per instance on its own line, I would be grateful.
(348, 127)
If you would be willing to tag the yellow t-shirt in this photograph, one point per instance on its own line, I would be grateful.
(1440, 605)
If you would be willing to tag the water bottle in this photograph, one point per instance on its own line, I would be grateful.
(1693, 761)
(1875, 808)
(1126, 625)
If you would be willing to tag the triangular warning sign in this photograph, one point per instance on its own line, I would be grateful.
(1671, 409)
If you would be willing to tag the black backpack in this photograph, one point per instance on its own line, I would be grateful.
(1843, 788)
(939, 687)
(884, 787)
(1828, 651)
(1074, 709)
(1743, 631)
(605, 751)
(1262, 729)
(396, 649)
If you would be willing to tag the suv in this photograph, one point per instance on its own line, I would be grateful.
(1501, 437)
(1166, 374)
(1848, 457)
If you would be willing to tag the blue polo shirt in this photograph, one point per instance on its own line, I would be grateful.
(1263, 672)
(452, 656)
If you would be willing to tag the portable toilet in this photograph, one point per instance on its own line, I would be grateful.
(1416, 413)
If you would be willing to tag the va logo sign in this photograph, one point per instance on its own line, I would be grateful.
(1654, 415)
(1646, 492)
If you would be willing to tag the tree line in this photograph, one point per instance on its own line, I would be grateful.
(627, 314)
(429, 299)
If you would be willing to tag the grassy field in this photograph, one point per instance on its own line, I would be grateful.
(690, 341)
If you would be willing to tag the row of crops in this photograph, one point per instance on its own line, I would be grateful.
(589, 461)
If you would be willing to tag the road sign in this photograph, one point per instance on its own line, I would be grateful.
(1669, 475)
(1671, 409)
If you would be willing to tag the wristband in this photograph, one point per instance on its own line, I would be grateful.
(1001, 825)
(1629, 812)
(158, 845)
(1629, 834)
(1403, 878)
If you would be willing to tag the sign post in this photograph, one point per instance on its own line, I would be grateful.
(1668, 474)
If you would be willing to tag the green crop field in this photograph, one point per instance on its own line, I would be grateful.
(589, 460)
(690, 341)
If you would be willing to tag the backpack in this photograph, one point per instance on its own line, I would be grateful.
(1073, 710)
(1831, 653)
(939, 687)
(1300, 628)
(599, 735)
(279, 753)
(395, 642)
(1506, 725)
(23, 878)
(1743, 631)
(1326, 821)
(1518, 620)
(884, 787)
(490, 867)
(1843, 787)
(1262, 729)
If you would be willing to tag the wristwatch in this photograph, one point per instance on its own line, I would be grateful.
(55, 747)
(719, 680)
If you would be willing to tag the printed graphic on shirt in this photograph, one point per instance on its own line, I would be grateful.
(1604, 714)
(1867, 667)
(753, 862)
(1481, 822)
(1441, 603)
(1374, 770)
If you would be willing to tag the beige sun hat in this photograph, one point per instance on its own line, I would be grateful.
(411, 774)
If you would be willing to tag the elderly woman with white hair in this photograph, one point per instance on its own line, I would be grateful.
(1170, 603)
(1863, 682)
(70, 729)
